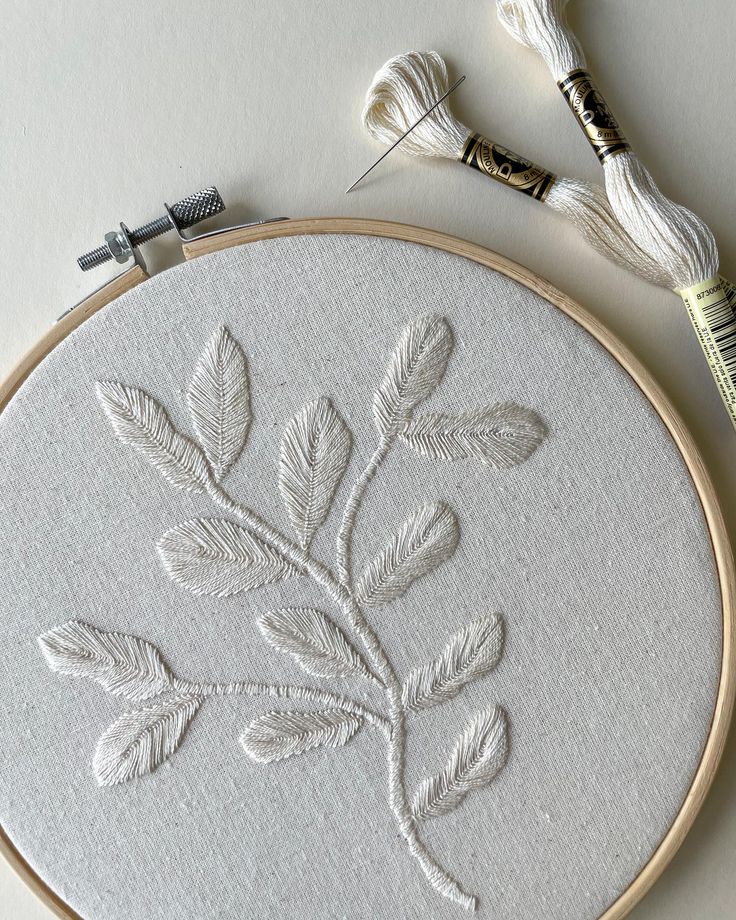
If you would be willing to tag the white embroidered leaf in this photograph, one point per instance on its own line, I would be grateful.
(471, 652)
(217, 557)
(415, 369)
(503, 435)
(138, 420)
(139, 741)
(314, 453)
(277, 735)
(124, 665)
(479, 755)
(219, 401)
(422, 542)
(318, 645)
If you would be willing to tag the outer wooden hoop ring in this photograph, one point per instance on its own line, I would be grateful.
(721, 546)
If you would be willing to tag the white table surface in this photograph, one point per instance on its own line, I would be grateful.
(110, 109)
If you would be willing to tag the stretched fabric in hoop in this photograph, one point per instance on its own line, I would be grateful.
(593, 552)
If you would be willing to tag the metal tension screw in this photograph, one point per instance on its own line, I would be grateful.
(119, 244)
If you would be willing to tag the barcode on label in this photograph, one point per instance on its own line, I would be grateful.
(722, 324)
(714, 321)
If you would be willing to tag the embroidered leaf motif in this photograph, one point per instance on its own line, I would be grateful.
(140, 421)
(415, 369)
(470, 653)
(478, 757)
(139, 741)
(314, 453)
(277, 735)
(318, 645)
(124, 665)
(220, 558)
(503, 435)
(422, 542)
(219, 401)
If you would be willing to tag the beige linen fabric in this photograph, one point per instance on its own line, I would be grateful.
(595, 552)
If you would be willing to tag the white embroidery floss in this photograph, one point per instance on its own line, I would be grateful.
(675, 238)
(408, 84)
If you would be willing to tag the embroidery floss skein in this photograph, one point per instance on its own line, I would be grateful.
(408, 84)
(678, 240)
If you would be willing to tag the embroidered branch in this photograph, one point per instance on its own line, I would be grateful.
(221, 557)
(142, 738)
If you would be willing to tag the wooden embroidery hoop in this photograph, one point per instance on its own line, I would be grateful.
(642, 378)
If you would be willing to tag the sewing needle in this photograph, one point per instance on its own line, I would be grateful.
(396, 143)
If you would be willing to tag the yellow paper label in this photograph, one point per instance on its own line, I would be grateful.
(711, 313)
(507, 167)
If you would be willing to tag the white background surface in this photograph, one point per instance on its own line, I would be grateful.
(110, 109)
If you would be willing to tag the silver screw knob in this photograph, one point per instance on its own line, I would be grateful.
(185, 213)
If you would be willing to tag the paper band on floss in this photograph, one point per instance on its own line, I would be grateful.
(714, 321)
(593, 115)
(507, 167)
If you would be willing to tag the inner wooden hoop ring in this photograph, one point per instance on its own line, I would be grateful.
(713, 750)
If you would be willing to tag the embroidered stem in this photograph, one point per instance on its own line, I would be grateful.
(345, 534)
(277, 691)
(439, 879)
(222, 558)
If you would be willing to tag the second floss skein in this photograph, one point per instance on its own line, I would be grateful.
(408, 84)
(675, 238)
(672, 235)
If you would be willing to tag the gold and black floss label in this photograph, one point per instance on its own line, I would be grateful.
(593, 115)
(507, 167)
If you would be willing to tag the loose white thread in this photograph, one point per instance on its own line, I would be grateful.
(408, 84)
